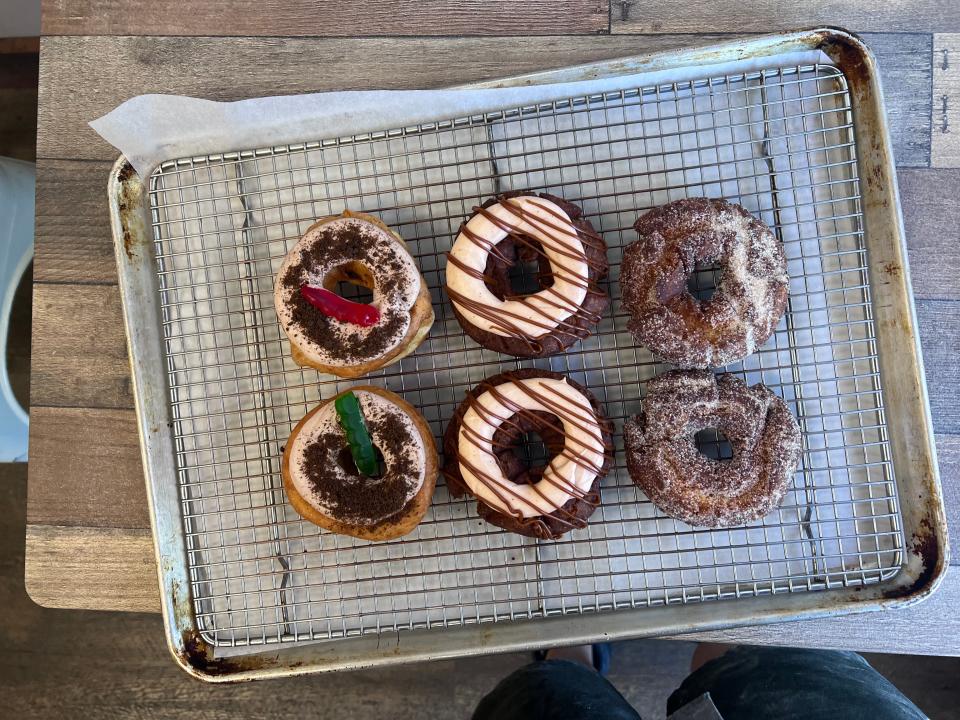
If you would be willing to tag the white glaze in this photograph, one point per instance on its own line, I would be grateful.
(582, 433)
(544, 214)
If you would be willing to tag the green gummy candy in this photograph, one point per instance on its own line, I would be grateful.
(358, 437)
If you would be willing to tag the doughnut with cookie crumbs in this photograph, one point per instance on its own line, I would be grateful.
(332, 473)
(333, 334)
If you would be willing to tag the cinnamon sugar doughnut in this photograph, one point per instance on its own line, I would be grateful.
(571, 258)
(747, 304)
(543, 502)
(663, 460)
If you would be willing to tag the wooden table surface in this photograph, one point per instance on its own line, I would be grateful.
(88, 536)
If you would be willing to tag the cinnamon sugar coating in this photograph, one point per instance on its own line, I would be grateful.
(664, 462)
(747, 304)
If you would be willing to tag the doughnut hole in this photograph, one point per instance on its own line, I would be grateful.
(345, 461)
(518, 268)
(352, 281)
(532, 450)
(702, 283)
(713, 444)
(525, 444)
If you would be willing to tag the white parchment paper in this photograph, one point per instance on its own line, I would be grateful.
(149, 129)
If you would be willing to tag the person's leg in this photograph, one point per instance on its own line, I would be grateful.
(753, 682)
(554, 689)
(705, 652)
(582, 654)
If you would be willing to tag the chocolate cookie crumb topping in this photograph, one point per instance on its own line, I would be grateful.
(340, 245)
(364, 500)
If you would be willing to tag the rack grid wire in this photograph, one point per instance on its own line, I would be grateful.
(778, 141)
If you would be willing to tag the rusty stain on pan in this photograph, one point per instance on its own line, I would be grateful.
(129, 206)
(925, 545)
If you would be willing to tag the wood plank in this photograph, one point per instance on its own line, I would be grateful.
(74, 242)
(85, 469)
(945, 139)
(939, 323)
(920, 629)
(18, 139)
(79, 348)
(905, 72)
(83, 78)
(19, 45)
(73, 231)
(931, 217)
(19, 72)
(329, 18)
(66, 567)
(948, 457)
(95, 568)
(80, 357)
(764, 16)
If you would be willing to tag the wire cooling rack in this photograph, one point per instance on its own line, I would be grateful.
(780, 142)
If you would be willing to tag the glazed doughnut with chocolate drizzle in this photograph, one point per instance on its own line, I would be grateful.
(480, 450)
(571, 259)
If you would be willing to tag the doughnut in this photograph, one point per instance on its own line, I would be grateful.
(479, 448)
(663, 460)
(571, 259)
(324, 485)
(362, 250)
(749, 299)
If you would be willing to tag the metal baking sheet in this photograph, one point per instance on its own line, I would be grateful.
(791, 143)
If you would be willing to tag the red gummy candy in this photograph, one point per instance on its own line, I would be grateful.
(332, 305)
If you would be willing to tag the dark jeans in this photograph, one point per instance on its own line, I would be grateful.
(744, 684)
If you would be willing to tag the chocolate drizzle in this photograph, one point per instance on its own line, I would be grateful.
(351, 497)
(557, 233)
(511, 426)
